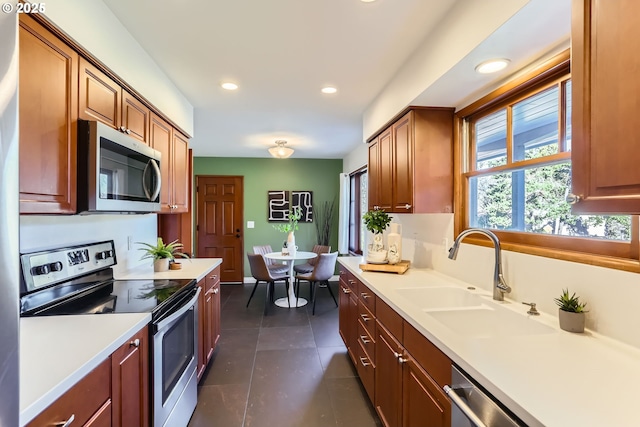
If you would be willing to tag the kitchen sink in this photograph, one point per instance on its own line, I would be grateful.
(488, 322)
(440, 298)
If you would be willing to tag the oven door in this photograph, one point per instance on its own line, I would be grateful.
(175, 346)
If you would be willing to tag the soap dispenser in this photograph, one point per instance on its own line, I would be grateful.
(394, 242)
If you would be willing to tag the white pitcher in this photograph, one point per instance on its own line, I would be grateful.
(394, 243)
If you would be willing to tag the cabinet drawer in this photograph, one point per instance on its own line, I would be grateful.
(435, 362)
(367, 342)
(366, 318)
(81, 401)
(367, 297)
(212, 278)
(390, 319)
(366, 371)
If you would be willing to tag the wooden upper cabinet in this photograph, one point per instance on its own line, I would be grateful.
(161, 139)
(411, 169)
(181, 176)
(605, 57)
(99, 96)
(136, 117)
(48, 111)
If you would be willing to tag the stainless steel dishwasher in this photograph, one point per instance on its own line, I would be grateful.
(472, 407)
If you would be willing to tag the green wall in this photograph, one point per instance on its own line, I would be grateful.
(261, 175)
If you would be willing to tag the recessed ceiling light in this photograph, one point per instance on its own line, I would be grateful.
(229, 86)
(492, 65)
(329, 89)
(367, 1)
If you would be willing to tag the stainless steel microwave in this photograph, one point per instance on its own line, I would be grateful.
(116, 173)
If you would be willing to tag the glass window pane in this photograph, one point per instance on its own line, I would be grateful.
(364, 204)
(567, 91)
(535, 125)
(533, 200)
(491, 140)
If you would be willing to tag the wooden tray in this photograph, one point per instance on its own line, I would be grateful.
(398, 268)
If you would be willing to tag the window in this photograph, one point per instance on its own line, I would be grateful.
(516, 171)
(358, 203)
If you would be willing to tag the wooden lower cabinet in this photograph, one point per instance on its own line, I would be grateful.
(130, 381)
(402, 371)
(208, 318)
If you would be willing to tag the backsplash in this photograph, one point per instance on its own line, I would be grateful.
(612, 295)
(45, 232)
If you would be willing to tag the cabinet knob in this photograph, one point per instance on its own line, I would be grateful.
(127, 131)
(572, 199)
(66, 423)
(122, 129)
(134, 343)
(216, 290)
(407, 206)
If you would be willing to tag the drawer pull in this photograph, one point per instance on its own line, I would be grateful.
(214, 277)
(363, 361)
(365, 295)
(365, 317)
(216, 290)
(346, 290)
(364, 339)
(352, 281)
(134, 343)
(66, 423)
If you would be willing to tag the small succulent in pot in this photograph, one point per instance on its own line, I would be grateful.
(571, 314)
(162, 253)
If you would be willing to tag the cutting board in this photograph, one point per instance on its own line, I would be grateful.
(398, 268)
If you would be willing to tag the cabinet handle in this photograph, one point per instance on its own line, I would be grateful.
(572, 199)
(351, 281)
(365, 317)
(407, 206)
(66, 423)
(214, 277)
(365, 295)
(346, 290)
(363, 361)
(364, 339)
(127, 131)
(134, 343)
(402, 360)
(216, 290)
(122, 129)
(397, 355)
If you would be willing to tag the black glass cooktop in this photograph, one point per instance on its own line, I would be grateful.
(112, 296)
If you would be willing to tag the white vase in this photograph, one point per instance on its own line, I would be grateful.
(161, 264)
(291, 243)
(376, 253)
(394, 243)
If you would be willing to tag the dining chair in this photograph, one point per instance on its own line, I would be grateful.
(261, 273)
(308, 266)
(272, 265)
(322, 272)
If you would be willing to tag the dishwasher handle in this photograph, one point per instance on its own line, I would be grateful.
(466, 410)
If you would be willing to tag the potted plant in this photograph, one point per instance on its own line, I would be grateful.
(571, 313)
(162, 253)
(376, 221)
(295, 215)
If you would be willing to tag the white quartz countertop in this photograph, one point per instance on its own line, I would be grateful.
(192, 268)
(57, 351)
(554, 379)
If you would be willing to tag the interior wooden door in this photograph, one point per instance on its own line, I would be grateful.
(219, 223)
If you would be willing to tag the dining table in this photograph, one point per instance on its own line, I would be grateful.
(291, 301)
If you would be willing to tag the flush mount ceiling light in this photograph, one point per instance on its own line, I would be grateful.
(492, 65)
(280, 151)
(229, 86)
(329, 89)
(367, 1)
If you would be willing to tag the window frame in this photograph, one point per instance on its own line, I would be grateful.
(607, 253)
(357, 176)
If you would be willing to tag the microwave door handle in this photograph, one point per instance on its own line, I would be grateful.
(466, 410)
(156, 170)
(144, 183)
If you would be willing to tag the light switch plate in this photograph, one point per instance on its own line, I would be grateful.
(251, 224)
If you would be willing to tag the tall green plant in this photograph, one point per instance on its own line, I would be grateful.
(376, 220)
(323, 218)
(295, 215)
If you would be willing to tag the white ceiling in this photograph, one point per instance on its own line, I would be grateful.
(282, 52)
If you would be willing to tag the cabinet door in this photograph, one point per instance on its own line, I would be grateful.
(130, 381)
(135, 117)
(403, 164)
(48, 96)
(605, 51)
(423, 403)
(386, 184)
(99, 96)
(180, 164)
(102, 418)
(373, 172)
(202, 364)
(388, 383)
(343, 306)
(161, 139)
(217, 325)
(212, 311)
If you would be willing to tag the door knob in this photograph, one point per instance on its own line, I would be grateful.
(238, 236)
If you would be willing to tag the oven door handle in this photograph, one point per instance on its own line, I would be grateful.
(189, 305)
(466, 410)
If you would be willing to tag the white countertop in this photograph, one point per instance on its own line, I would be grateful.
(57, 351)
(556, 379)
(192, 268)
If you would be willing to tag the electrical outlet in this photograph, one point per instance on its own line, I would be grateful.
(129, 242)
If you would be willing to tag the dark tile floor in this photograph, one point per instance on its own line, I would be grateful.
(286, 369)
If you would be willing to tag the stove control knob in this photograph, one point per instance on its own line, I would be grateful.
(104, 255)
(40, 270)
(55, 266)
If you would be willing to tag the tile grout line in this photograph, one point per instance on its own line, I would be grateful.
(253, 367)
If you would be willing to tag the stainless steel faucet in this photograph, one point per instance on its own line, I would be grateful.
(499, 284)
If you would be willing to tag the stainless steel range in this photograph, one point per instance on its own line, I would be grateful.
(79, 280)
